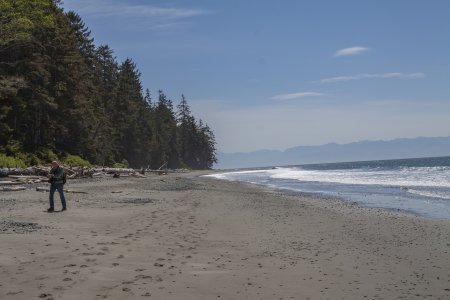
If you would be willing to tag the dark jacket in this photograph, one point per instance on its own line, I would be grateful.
(58, 175)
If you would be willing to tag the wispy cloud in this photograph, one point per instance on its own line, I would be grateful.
(351, 51)
(374, 76)
(125, 16)
(171, 25)
(116, 8)
(296, 96)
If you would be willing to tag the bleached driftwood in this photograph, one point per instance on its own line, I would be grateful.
(12, 188)
(10, 183)
(26, 177)
(21, 171)
(21, 179)
(113, 170)
(138, 175)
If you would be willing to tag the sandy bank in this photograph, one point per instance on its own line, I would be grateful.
(184, 237)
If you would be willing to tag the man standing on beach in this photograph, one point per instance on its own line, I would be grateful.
(56, 180)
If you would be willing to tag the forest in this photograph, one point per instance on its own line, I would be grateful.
(64, 97)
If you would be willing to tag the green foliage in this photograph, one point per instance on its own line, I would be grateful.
(11, 162)
(121, 165)
(75, 160)
(46, 154)
(12, 148)
(20, 17)
(29, 158)
(61, 93)
(33, 160)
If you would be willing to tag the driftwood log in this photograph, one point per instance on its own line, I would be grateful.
(26, 177)
(12, 188)
(7, 183)
(40, 171)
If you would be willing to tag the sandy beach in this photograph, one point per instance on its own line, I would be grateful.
(181, 236)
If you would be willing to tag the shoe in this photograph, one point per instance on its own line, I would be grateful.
(50, 210)
(63, 209)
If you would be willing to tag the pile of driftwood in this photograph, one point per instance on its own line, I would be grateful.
(16, 182)
(16, 179)
(71, 172)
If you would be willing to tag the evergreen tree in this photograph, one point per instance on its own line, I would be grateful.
(126, 105)
(84, 41)
(186, 132)
(206, 147)
(196, 141)
(166, 129)
(106, 78)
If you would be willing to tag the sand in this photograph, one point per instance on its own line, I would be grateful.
(181, 236)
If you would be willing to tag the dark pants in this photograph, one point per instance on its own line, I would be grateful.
(53, 188)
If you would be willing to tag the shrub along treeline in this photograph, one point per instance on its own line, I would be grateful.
(61, 94)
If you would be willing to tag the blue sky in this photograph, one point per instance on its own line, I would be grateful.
(277, 74)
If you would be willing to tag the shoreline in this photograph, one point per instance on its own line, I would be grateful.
(181, 236)
(323, 196)
(428, 201)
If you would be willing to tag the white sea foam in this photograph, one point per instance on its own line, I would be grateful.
(408, 177)
(402, 177)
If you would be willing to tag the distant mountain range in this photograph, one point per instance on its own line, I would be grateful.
(358, 151)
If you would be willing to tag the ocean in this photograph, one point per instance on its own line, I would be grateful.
(420, 186)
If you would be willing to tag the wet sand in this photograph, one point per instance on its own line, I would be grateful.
(186, 237)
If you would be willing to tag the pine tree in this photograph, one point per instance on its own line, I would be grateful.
(126, 105)
(106, 72)
(166, 130)
(84, 40)
(186, 132)
(196, 141)
(206, 147)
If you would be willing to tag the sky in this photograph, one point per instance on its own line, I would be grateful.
(279, 74)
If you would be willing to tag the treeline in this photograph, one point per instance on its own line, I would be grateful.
(62, 94)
